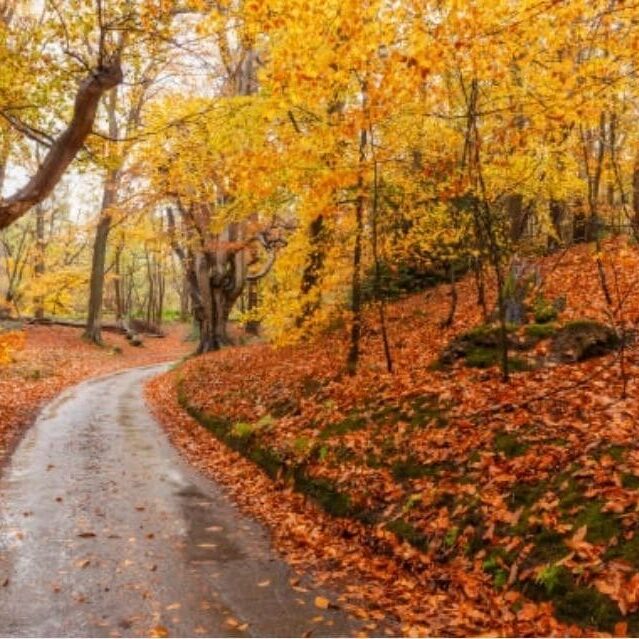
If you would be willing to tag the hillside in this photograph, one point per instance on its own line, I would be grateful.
(440, 497)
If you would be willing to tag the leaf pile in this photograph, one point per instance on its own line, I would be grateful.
(463, 504)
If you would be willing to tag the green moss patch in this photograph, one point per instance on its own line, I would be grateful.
(509, 444)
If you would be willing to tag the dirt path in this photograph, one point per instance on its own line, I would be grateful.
(105, 531)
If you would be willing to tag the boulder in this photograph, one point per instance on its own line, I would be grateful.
(580, 340)
(136, 340)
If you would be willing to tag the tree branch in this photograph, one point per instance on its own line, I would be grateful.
(66, 146)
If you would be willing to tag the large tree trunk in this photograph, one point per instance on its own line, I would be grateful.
(66, 146)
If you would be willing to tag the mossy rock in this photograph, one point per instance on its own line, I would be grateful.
(483, 338)
(580, 340)
(538, 332)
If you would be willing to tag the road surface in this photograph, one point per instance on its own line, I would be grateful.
(105, 531)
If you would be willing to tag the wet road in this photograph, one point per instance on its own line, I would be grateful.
(105, 531)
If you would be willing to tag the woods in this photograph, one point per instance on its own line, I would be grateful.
(400, 241)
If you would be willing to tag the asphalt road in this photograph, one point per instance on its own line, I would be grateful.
(106, 531)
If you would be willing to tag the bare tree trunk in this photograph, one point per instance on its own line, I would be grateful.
(96, 286)
(635, 196)
(39, 260)
(356, 303)
(117, 284)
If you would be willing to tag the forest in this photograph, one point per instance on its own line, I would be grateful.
(364, 272)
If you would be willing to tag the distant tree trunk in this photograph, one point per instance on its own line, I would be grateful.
(635, 197)
(356, 286)
(39, 260)
(559, 214)
(117, 284)
(252, 326)
(96, 285)
(517, 215)
(313, 269)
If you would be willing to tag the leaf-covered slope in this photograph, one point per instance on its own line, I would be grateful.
(524, 494)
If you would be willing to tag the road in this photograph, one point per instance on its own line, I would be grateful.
(106, 531)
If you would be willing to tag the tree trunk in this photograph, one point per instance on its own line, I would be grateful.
(635, 197)
(356, 304)
(39, 261)
(517, 215)
(96, 286)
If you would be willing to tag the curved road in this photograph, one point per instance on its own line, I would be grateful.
(105, 531)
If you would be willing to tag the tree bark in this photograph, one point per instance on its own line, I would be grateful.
(64, 149)
(39, 261)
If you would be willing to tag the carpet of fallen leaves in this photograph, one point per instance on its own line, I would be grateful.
(461, 504)
(47, 359)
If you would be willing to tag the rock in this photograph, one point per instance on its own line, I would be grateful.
(580, 340)
(136, 340)
(482, 338)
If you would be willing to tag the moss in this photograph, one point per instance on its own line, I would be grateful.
(243, 430)
(602, 526)
(267, 459)
(410, 468)
(544, 312)
(627, 550)
(426, 410)
(496, 564)
(570, 494)
(451, 536)
(587, 607)
(548, 548)
(540, 331)
(615, 451)
(407, 532)
(351, 423)
(518, 364)
(526, 494)
(482, 357)
(509, 445)
(325, 493)
(573, 603)
(630, 481)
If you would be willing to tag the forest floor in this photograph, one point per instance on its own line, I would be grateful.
(53, 358)
(439, 496)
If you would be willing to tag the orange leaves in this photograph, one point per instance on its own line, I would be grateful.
(10, 342)
(625, 591)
